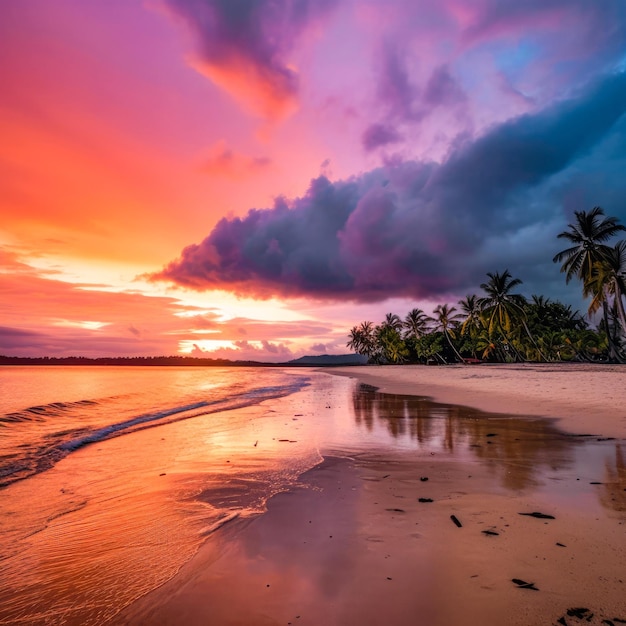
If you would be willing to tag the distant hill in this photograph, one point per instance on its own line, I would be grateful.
(330, 359)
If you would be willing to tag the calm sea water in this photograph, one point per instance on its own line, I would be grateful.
(46, 413)
(113, 477)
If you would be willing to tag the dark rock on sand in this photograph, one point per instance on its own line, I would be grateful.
(538, 515)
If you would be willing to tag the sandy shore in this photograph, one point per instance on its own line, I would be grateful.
(370, 539)
(584, 398)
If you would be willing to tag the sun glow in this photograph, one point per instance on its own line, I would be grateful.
(187, 346)
(85, 324)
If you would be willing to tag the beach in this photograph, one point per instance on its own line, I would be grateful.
(582, 398)
(500, 499)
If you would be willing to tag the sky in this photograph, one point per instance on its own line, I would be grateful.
(248, 179)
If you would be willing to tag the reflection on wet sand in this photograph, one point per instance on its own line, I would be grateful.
(517, 449)
(613, 495)
(369, 535)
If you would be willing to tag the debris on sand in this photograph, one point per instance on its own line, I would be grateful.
(522, 584)
(538, 515)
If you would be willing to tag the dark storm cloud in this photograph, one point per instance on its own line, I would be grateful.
(479, 178)
(418, 229)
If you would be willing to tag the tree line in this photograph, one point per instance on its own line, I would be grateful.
(500, 325)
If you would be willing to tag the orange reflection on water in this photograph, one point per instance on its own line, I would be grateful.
(518, 449)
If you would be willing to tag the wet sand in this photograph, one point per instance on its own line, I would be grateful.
(583, 398)
(369, 537)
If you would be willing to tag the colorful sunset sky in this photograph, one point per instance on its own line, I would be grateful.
(250, 178)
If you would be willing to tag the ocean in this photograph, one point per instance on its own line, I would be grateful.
(113, 477)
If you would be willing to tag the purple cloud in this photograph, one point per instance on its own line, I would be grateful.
(378, 135)
(501, 17)
(442, 89)
(415, 229)
(454, 67)
(404, 102)
(395, 89)
(243, 45)
(11, 338)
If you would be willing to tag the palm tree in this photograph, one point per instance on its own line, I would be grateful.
(588, 234)
(473, 324)
(355, 343)
(447, 319)
(393, 321)
(392, 347)
(609, 278)
(362, 339)
(502, 307)
(471, 310)
(415, 323)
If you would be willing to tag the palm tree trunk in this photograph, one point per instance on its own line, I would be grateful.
(533, 341)
(620, 309)
(445, 332)
(613, 356)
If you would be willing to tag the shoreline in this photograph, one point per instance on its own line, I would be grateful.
(353, 543)
(581, 398)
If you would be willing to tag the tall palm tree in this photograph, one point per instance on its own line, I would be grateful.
(609, 278)
(503, 308)
(447, 319)
(416, 323)
(588, 236)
